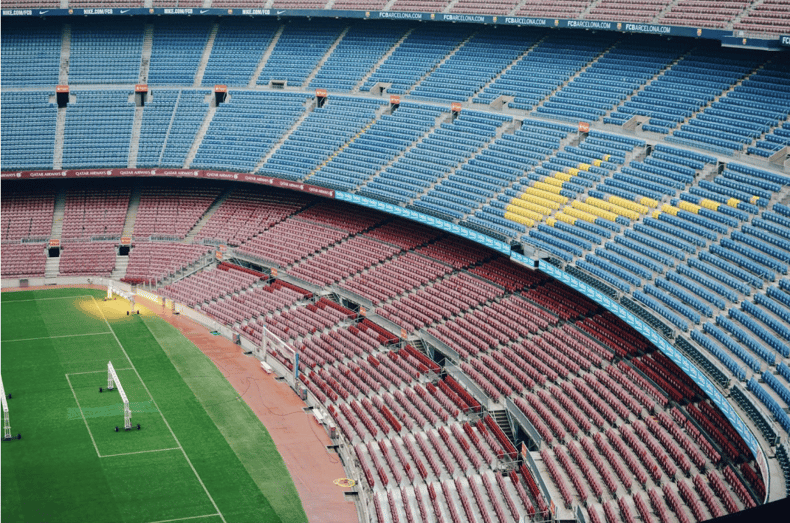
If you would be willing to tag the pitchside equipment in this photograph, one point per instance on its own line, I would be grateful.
(112, 380)
(6, 418)
(111, 290)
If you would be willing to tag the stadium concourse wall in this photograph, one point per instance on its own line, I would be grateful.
(730, 38)
(610, 304)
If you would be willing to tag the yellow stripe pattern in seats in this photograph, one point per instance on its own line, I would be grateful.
(670, 209)
(565, 218)
(628, 204)
(581, 215)
(609, 206)
(656, 214)
(551, 221)
(535, 207)
(606, 215)
(649, 202)
(597, 163)
(536, 200)
(547, 187)
(690, 207)
(754, 200)
(584, 166)
(546, 195)
(710, 204)
(562, 176)
(519, 219)
(553, 181)
(532, 215)
(733, 202)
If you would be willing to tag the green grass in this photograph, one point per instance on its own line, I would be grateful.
(201, 450)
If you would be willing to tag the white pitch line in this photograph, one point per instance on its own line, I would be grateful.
(160, 413)
(8, 302)
(191, 517)
(139, 452)
(83, 417)
(91, 372)
(53, 337)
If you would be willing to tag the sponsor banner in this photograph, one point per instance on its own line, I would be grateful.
(273, 272)
(426, 219)
(54, 242)
(597, 25)
(455, 107)
(141, 88)
(220, 88)
(320, 93)
(62, 89)
(171, 173)
(218, 255)
(664, 346)
(126, 240)
(394, 99)
(584, 127)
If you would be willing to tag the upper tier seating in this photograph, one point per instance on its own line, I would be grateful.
(27, 61)
(245, 127)
(238, 47)
(28, 130)
(176, 51)
(109, 53)
(171, 120)
(98, 129)
(299, 48)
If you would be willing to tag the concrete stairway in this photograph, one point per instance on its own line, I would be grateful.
(208, 214)
(148, 43)
(58, 212)
(52, 268)
(131, 211)
(121, 263)
(206, 54)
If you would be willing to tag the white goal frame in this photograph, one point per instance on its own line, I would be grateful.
(270, 344)
(6, 417)
(112, 380)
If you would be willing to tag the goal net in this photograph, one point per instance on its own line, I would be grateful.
(112, 382)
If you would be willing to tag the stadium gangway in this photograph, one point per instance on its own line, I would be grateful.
(432, 341)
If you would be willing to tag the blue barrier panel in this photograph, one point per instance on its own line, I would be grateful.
(426, 219)
(672, 353)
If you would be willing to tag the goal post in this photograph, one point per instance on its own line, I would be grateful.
(273, 346)
(6, 417)
(113, 381)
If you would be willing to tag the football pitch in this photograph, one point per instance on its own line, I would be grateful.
(201, 455)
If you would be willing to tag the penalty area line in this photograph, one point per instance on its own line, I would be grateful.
(190, 517)
(53, 337)
(83, 417)
(189, 461)
(9, 302)
(139, 452)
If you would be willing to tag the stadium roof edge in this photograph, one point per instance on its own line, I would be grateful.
(730, 38)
